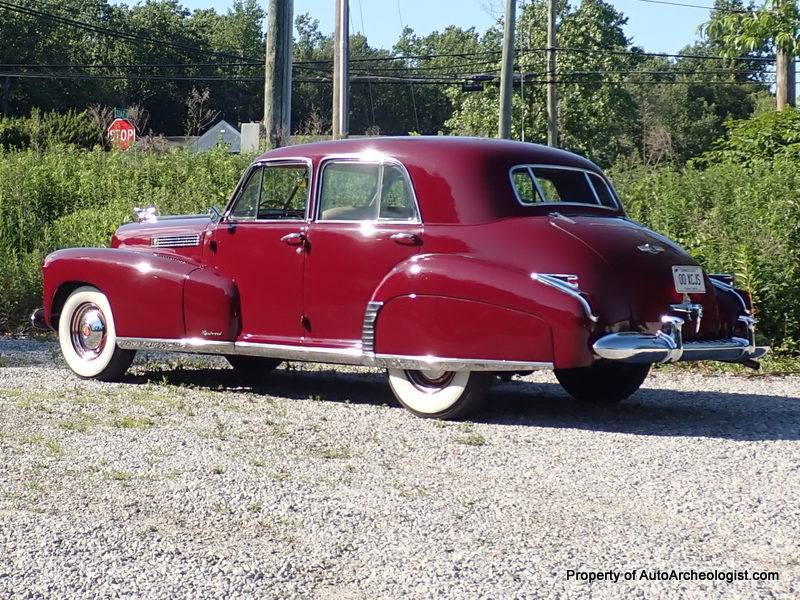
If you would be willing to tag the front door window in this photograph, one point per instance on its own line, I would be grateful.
(272, 193)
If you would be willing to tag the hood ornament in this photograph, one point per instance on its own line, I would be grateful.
(651, 248)
(146, 215)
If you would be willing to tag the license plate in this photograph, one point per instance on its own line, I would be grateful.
(688, 280)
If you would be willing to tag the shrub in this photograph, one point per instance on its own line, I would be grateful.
(734, 218)
(43, 131)
(773, 134)
(71, 197)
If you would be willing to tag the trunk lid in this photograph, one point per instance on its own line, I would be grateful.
(642, 260)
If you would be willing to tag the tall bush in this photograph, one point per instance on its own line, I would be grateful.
(71, 197)
(734, 218)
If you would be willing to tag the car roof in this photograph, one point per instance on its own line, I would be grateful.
(456, 179)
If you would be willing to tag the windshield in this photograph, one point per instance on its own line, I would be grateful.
(546, 185)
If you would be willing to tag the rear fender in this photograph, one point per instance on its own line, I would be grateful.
(526, 316)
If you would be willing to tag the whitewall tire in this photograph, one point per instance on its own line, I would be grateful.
(440, 394)
(88, 338)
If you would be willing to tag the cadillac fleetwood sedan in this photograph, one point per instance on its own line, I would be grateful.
(446, 261)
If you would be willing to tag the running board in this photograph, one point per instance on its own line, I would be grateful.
(340, 356)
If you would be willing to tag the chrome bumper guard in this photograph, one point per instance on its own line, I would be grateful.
(37, 320)
(667, 345)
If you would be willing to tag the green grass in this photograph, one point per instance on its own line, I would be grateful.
(122, 476)
(133, 422)
(472, 439)
(774, 364)
(80, 423)
(336, 453)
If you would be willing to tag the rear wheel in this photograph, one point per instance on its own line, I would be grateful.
(440, 394)
(603, 382)
(88, 338)
(252, 365)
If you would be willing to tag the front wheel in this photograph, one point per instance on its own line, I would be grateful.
(88, 338)
(440, 394)
(603, 382)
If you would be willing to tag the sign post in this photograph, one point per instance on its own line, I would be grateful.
(121, 134)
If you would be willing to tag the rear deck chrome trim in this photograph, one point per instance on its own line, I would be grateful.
(343, 356)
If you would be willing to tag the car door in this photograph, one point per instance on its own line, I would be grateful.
(367, 221)
(260, 245)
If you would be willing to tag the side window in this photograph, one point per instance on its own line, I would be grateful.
(284, 191)
(564, 185)
(397, 199)
(245, 207)
(523, 184)
(357, 191)
(274, 192)
(350, 191)
(603, 191)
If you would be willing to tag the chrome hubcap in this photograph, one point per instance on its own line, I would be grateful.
(88, 331)
(430, 381)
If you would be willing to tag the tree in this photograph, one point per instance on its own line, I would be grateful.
(776, 24)
(199, 113)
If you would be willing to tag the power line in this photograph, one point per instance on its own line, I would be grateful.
(637, 53)
(566, 78)
(115, 33)
(709, 8)
(410, 85)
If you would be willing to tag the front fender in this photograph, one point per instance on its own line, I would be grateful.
(145, 290)
(486, 286)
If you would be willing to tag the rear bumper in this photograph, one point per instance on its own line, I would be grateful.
(667, 345)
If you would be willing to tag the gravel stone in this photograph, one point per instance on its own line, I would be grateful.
(188, 480)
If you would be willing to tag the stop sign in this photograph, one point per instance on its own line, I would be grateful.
(121, 134)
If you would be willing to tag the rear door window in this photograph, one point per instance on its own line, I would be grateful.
(363, 191)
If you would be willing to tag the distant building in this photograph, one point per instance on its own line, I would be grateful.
(221, 133)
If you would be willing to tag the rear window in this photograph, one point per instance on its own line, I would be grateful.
(547, 185)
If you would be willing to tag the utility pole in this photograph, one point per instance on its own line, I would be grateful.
(6, 94)
(552, 96)
(341, 70)
(278, 74)
(507, 71)
(785, 84)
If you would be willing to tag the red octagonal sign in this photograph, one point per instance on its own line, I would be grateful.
(121, 134)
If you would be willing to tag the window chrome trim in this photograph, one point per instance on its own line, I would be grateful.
(344, 356)
(369, 159)
(530, 167)
(258, 164)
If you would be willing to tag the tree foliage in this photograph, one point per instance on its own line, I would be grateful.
(614, 100)
(775, 24)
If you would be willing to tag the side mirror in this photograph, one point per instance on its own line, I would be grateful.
(215, 215)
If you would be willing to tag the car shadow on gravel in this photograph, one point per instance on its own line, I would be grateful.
(658, 412)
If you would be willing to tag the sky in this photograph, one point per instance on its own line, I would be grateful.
(655, 27)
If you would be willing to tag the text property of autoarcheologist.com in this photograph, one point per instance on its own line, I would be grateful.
(670, 575)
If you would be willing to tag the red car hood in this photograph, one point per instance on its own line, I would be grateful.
(641, 261)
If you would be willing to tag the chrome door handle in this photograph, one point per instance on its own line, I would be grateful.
(407, 239)
(294, 239)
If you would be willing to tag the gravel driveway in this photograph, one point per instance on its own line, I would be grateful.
(189, 481)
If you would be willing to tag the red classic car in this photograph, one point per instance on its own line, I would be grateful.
(444, 260)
